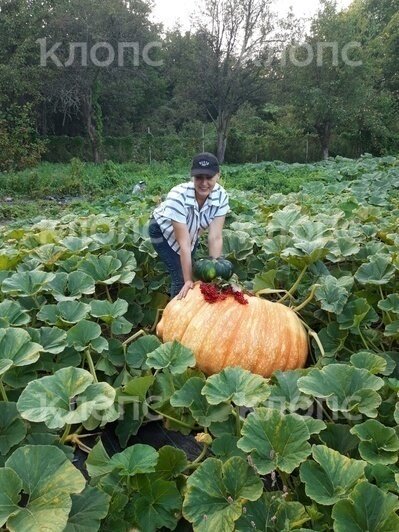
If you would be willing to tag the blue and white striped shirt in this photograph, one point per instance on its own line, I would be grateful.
(181, 206)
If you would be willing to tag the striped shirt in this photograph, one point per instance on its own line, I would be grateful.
(181, 206)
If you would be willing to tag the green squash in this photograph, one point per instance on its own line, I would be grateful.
(205, 270)
(224, 268)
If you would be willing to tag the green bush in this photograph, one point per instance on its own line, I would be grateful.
(19, 146)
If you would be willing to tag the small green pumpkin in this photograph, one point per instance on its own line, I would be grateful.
(205, 270)
(224, 268)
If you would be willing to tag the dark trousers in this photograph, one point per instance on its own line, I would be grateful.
(169, 257)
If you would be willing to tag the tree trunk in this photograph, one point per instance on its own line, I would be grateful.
(222, 127)
(324, 133)
(91, 128)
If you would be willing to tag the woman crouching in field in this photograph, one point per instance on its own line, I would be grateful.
(189, 209)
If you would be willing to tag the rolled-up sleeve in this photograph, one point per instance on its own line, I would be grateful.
(224, 205)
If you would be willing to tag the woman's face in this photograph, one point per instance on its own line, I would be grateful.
(204, 185)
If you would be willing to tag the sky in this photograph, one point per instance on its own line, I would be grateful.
(169, 12)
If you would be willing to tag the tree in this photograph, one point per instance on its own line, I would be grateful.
(227, 62)
(332, 91)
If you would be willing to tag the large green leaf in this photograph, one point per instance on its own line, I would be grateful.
(367, 508)
(331, 476)
(137, 351)
(217, 492)
(346, 388)
(271, 513)
(171, 462)
(103, 269)
(108, 311)
(390, 304)
(237, 244)
(237, 385)
(378, 444)
(136, 459)
(26, 283)
(373, 363)
(338, 436)
(88, 508)
(332, 294)
(285, 394)
(12, 314)
(158, 504)
(52, 339)
(276, 440)
(82, 335)
(173, 356)
(378, 271)
(70, 286)
(67, 397)
(12, 427)
(356, 312)
(190, 396)
(48, 479)
(17, 349)
(64, 312)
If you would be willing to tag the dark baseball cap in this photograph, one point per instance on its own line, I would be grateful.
(205, 164)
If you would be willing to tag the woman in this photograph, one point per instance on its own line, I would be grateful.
(189, 209)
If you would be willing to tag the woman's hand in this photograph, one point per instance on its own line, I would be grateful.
(188, 285)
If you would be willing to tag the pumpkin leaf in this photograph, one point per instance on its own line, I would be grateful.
(370, 361)
(108, 311)
(137, 351)
(71, 286)
(157, 505)
(103, 269)
(67, 397)
(345, 388)
(390, 304)
(12, 314)
(98, 461)
(12, 427)
(171, 462)
(88, 508)
(332, 294)
(217, 492)
(355, 313)
(273, 514)
(26, 283)
(338, 437)
(275, 440)
(64, 312)
(82, 335)
(237, 244)
(285, 394)
(367, 508)
(136, 459)
(48, 479)
(52, 339)
(17, 349)
(171, 355)
(378, 444)
(237, 385)
(378, 271)
(331, 476)
(190, 396)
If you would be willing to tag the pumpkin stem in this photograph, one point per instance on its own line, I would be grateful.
(307, 300)
(271, 291)
(159, 312)
(314, 335)
(133, 337)
(238, 420)
(294, 286)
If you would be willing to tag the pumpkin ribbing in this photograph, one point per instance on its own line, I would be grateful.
(261, 336)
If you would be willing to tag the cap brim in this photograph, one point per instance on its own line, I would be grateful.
(204, 171)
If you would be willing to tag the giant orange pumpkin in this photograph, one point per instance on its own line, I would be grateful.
(261, 336)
